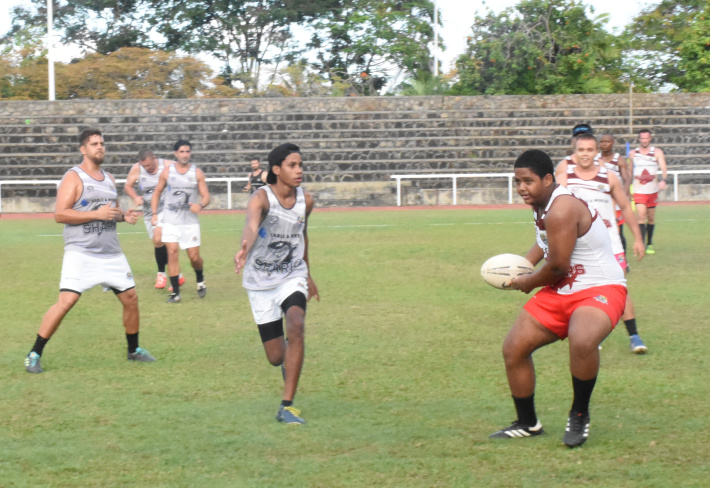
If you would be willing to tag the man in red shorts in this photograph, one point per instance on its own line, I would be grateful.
(646, 161)
(583, 297)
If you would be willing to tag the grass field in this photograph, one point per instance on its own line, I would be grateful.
(403, 380)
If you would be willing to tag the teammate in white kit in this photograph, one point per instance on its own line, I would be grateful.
(583, 296)
(646, 162)
(274, 257)
(87, 205)
(146, 173)
(187, 195)
(598, 185)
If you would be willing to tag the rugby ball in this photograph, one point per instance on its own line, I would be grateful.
(499, 270)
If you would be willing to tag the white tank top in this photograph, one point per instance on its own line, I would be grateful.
(612, 165)
(277, 254)
(180, 193)
(147, 182)
(645, 172)
(97, 236)
(597, 193)
(592, 262)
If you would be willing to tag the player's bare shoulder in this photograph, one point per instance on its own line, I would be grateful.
(310, 201)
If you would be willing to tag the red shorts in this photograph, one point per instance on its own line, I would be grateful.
(554, 311)
(648, 199)
(619, 217)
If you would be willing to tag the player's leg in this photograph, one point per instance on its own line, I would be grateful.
(174, 270)
(50, 323)
(197, 264)
(131, 322)
(161, 256)
(629, 317)
(651, 227)
(643, 215)
(526, 335)
(294, 308)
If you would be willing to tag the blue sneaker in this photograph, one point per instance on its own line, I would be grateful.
(141, 355)
(637, 345)
(289, 415)
(32, 363)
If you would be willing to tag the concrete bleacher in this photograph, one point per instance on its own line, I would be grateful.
(351, 147)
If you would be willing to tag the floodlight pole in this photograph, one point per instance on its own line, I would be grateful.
(436, 39)
(50, 49)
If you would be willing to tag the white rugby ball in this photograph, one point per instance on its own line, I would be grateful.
(499, 270)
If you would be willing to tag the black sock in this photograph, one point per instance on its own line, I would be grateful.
(621, 235)
(525, 407)
(161, 257)
(132, 342)
(175, 282)
(200, 275)
(643, 232)
(631, 326)
(582, 394)
(40, 342)
(286, 403)
(650, 233)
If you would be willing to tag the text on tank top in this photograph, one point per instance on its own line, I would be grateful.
(277, 253)
(181, 192)
(147, 183)
(97, 236)
(592, 262)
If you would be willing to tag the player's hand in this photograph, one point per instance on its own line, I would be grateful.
(138, 201)
(639, 250)
(131, 216)
(519, 283)
(195, 208)
(245, 189)
(107, 212)
(312, 289)
(662, 185)
(154, 220)
(240, 258)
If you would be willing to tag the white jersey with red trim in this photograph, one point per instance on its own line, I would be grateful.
(597, 193)
(645, 172)
(612, 165)
(592, 262)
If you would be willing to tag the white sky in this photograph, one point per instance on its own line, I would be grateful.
(456, 15)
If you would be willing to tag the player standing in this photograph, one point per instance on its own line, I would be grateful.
(600, 187)
(257, 176)
(274, 256)
(582, 298)
(614, 162)
(646, 160)
(146, 173)
(187, 195)
(87, 204)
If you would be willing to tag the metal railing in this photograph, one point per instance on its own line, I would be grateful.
(455, 176)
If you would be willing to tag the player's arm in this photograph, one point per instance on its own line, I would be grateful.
(155, 201)
(131, 181)
(625, 174)
(561, 223)
(257, 208)
(130, 215)
(535, 254)
(68, 193)
(312, 288)
(661, 158)
(263, 175)
(618, 193)
(561, 172)
(203, 191)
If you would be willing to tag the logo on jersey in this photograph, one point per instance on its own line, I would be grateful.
(262, 232)
(571, 278)
(300, 220)
(273, 219)
(601, 299)
(645, 177)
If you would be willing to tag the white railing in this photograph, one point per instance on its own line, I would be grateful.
(55, 183)
(455, 176)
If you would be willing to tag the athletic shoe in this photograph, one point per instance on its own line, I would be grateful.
(32, 363)
(518, 430)
(141, 355)
(289, 415)
(160, 281)
(201, 289)
(637, 345)
(181, 281)
(173, 298)
(577, 429)
(650, 249)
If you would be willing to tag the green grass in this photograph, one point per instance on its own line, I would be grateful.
(403, 380)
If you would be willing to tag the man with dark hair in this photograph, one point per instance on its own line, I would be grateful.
(146, 173)
(274, 256)
(257, 176)
(646, 160)
(582, 298)
(186, 197)
(87, 204)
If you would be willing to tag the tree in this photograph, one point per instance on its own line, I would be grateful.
(540, 47)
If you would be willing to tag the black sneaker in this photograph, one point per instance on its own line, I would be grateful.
(577, 429)
(518, 430)
(173, 298)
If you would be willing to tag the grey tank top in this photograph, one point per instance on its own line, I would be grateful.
(277, 254)
(147, 183)
(97, 236)
(181, 192)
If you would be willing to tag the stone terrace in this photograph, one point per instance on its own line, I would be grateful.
(351, 146)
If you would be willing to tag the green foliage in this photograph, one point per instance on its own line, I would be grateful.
(540, 47)
(425, 84)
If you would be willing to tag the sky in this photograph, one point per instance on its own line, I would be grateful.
(456, 16)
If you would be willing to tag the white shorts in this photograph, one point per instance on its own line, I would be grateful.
(82, 271)
(266, 304)
(187, 235)
(149, 225)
